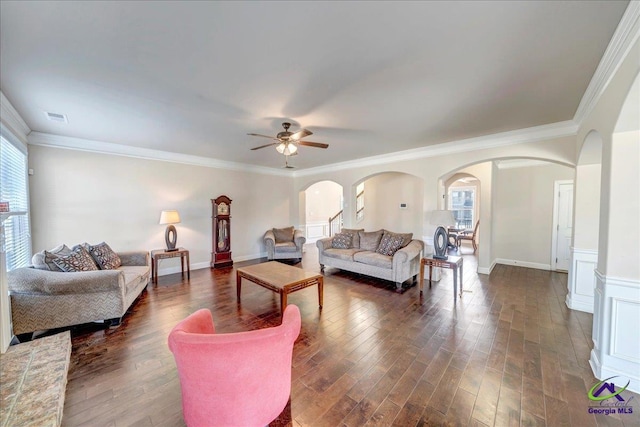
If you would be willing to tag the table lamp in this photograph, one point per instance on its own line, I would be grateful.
(170, 235)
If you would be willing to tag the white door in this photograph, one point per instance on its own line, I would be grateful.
(563, 225)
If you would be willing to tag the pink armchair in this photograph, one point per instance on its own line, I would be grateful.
(241, 378)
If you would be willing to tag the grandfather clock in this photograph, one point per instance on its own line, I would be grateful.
(221, 239)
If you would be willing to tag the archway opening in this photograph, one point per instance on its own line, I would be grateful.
(323, 204)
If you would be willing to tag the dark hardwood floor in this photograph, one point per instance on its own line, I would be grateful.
(508, 353)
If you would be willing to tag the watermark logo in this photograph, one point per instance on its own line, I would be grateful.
(607, 400)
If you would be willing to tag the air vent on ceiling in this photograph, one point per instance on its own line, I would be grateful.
(56, 117)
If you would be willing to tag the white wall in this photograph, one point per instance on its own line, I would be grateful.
(523, 215)
(383, 195)
(587, 206)
(78, 196)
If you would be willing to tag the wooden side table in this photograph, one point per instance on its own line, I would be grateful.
(158, 254)
(453, 262)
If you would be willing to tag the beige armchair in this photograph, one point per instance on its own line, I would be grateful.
(284, 243)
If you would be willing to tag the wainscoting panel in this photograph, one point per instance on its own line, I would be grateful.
(582, 281)
(616, 314)
(316, 231)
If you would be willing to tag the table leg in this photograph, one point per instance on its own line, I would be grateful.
(455, 282)
(421, 275)
(320, 290)
(430, 271)
(238, 284)
(461, 278)
(153, 269)
(156, 273)
(188, 267)
(182, 264)
(283, 301)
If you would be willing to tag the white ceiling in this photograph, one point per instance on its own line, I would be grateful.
(368, 78)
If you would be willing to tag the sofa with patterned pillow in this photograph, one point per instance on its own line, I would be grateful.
(382, 254)
(69, 286)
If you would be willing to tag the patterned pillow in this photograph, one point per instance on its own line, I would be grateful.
(405, 236)
(105, 257)
(389, 244)
(78, 260)
(355, 236)
(44, 260)
(342, 241)
(369, 241)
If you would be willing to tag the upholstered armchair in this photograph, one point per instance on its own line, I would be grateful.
(235, 379)
(284, 243)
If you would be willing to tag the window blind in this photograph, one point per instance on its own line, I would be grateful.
(13, 189)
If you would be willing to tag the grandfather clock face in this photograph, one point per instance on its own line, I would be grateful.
(223, 209)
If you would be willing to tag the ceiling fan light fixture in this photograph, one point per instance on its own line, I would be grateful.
(286, 148)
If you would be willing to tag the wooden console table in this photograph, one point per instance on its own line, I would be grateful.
(453, 262)
(158, 254)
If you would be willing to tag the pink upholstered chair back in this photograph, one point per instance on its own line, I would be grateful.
(235, 379)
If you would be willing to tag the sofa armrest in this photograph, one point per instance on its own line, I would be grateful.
(299, 239)
(135, 258)
(324, 244)
(413, 249)
(33, 281)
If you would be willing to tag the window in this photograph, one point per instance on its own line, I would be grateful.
(360, 201)
(13, 189)
(462, 202)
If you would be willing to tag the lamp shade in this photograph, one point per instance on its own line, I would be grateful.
(169, 217)
(441, 217)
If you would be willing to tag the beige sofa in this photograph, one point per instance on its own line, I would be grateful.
(42, 299)
(399, 267)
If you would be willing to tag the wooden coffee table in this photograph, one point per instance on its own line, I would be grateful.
(279, 278)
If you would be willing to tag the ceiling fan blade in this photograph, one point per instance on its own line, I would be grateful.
(300, 134)
(312, 144)
(266, 145)
(263, 136)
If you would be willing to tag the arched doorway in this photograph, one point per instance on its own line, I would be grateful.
(322, 201)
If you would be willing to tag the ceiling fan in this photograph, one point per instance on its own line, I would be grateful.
(287, 142)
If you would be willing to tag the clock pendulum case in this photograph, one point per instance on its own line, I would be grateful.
(221, 227)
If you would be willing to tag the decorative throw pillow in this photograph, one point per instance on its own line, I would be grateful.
(405, 236)
(355, 236)
(389, 244)
(283, 235)
(369, 241)
(78, 260)
(44, 260)
(105, 257)
(342, 241)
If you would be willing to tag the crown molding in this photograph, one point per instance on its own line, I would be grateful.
(623, 39)
(520, 136)
(12, 118)
(520, 163)
(79, 144)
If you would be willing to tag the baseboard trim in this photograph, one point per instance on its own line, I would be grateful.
(206, 264)
(578, 305)
(485, 270)
(526, 264)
